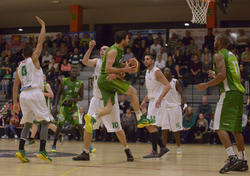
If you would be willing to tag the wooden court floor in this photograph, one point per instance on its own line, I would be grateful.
(110, 160)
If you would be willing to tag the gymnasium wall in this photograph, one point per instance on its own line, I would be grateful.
(120, 15)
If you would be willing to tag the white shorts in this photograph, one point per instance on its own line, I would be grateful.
(112, 121)
(33, 106)
(174, 119)
(157, 113)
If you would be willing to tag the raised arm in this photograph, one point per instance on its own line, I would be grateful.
(39, 46)
(86, 61)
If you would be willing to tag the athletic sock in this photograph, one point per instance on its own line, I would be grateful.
(154, 140)
(55, 140)
(126, 147)
(138, 115)
(242, 155)
(230, 151)
(21, 144)
(85, 150)
(42, 145)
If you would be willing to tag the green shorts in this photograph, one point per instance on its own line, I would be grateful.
(109, 88)
(69, 114)
(229, 111)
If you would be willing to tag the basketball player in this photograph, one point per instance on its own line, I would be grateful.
(174, 99)
(32, 99)
(112, 64)
(71, 91)
(111, 121)
(48, 93)
(228, 114)
(157, 87)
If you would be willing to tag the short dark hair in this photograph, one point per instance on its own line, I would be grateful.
(120, 35)
(27, 51)
(153, 57)
(224, 40)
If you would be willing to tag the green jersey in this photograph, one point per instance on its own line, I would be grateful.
(118, 59)
(232, 81)
(70, 89)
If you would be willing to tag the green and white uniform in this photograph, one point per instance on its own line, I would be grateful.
(69, 113)
(109, 88)
(229, 110)
(47, 99)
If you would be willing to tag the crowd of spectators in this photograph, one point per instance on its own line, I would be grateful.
(187, 62)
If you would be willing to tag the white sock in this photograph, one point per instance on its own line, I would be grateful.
(126, 147)
(230, 151)
(85, 150)
(138, 115)
(242, 155)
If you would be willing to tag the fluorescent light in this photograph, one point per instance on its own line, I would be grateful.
(55, 1)
(20, 29)
(186, 24)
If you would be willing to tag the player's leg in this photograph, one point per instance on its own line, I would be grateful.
(225, 118)
(177, 136)
(164, 134)
(27, 121)
(53, 127)
(34, 130)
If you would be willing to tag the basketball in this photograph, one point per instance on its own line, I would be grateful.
(133, 62)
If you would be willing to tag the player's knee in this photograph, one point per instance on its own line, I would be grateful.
(132, 91)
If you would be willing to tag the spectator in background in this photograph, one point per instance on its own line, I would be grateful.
(206, 54)
(76, 58)
(138, 39)
(65, 68)
(131, 40)
(155, 48)
(48, 41)
(201, 127)
(6, 67)
(63, 50)
(128, 54)
(76, 41)
(206, 66)
(163, 54)
(209, 40)
(181, 68)
(84, 47)
(242, 40)
(54, 49)
(58, 57)
(227, 33)
(160, 63)
(86, 39)
(160, 39)
(171, 65)
(142, 50)
(245, 58)
(46, 59)
(123, 104)
(128, 122)
(58, 39)
(147, 51)
(188, 124)
(54, 65)
(10, 128)
(191, 47)
(205, 108)
(195, 68)
(68, 42)
(150, 40)
(181, 47)
(186, 40)
(4, 52)
(173, 43)
(244, 76)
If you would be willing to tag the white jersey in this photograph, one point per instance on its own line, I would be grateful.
(96, 91)
(30, 76)
(173, 98)
(154, 87)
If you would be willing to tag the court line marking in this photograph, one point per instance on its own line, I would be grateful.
(70, 171)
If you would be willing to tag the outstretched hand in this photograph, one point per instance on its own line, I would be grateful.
(92, 44)
(40, 21)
